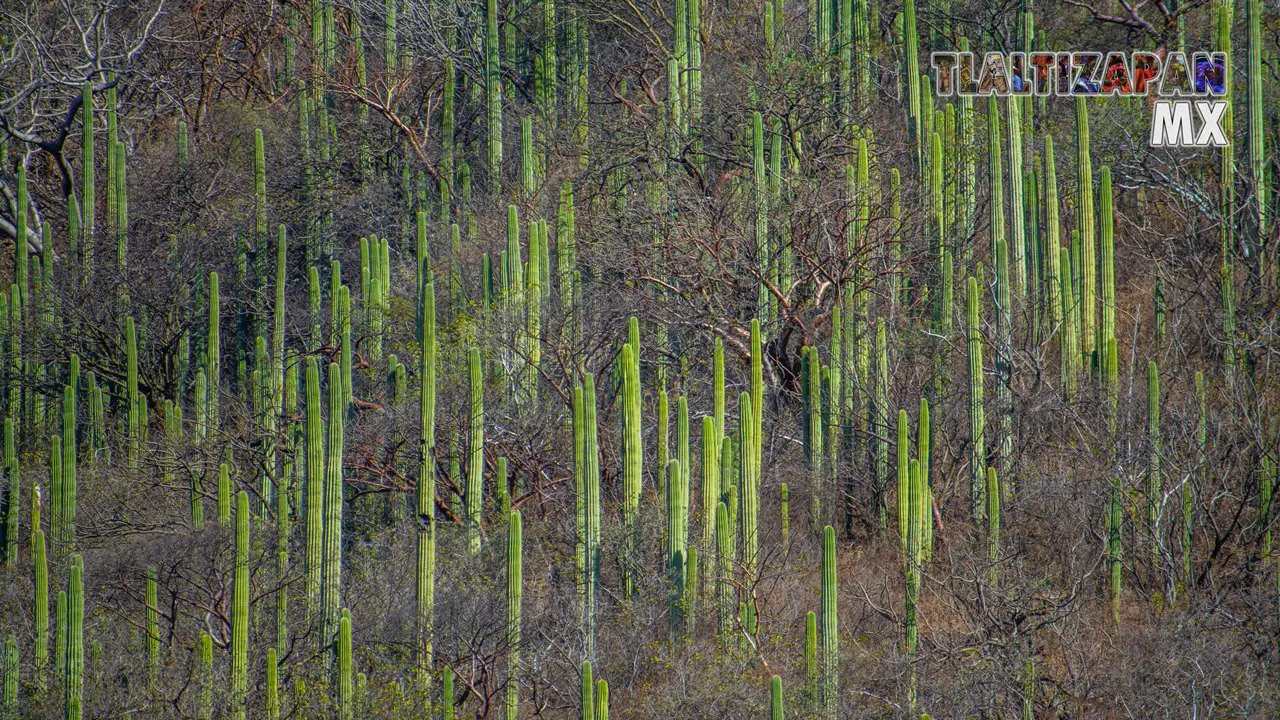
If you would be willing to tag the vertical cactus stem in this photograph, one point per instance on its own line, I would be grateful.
(830, 637)
(240, 610)
(724, 572)
(272, 682)
(775, 698)
(633, 449)
(346, 687)
(426, 486)
(993, 522)
(152, 618)
(1154, 484)
(1088, 298)
(475, 447)
(587, 696)
(515, 580)
(331, 565)
(40, 610)
(977, 412)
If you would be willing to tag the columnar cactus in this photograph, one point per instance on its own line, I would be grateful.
(88, 202)
(1053, 274)
(977, 412)
(602, 687)
(588, 703)
(775, 698)
(152, 625)
(1087, 294)
(272, 686)
(749, 491)
(67, 523)
(677, 546)
(204, 690)
(331, 585)
(425, 501)
(590, 510)
(12, 499)
(515, 580)
(633, 449)
(830, 636)
(1154, 490)
(40, 612)
(724, 571)
(1107, 261)
(1115, 517)
(493, 95)
(475, 448)
(315, 468)
(710, 490)
(346, 686)
(213, 369)
(880, 422)
(1258, 175)
(72, 611)
(993, 521)
(1017, 239)
(240, 610)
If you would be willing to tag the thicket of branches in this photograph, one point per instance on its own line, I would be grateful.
(668, 227)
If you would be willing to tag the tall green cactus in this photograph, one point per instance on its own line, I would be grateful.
(1259, 180)
(1107, 259)
(475, 449)
(1154, 489)
(493, 96)
(515, 594)
(240, 610)
(724, 571)
(775, 698)
(346, 690)
(73, 640)
(590, 510)
(749, 491)
(152, 625)
(677, 546)
(12, 500)
(1017, 228)
(331, 584)
(40, 612)
(315, 468)
(588, 691)
(633, 450)
(830, 636)
(204, 680)
(425, 500)
(67, 523)
(1087, 294)
(977, 412)
(213, 359)
(993, 522)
